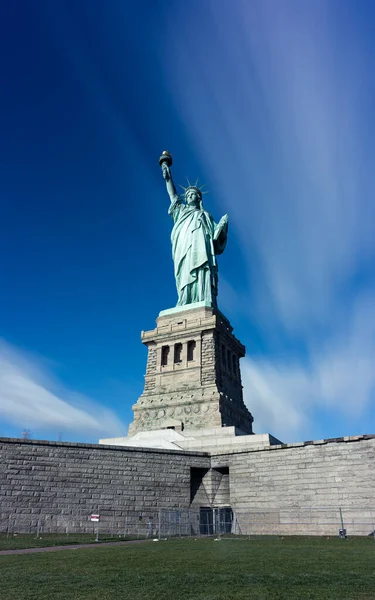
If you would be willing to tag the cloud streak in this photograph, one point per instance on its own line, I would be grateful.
(276, 107)
(30, 398)
(338, 381)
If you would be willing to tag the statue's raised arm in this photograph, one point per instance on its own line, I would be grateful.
(165, 162)
(196, 240)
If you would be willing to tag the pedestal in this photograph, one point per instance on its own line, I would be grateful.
(193, 377)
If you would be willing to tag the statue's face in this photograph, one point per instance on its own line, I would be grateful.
(193, 198)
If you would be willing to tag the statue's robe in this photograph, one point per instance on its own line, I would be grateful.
(196, 239)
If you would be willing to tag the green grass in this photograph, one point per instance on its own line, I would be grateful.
(256, 569)
(26, 540)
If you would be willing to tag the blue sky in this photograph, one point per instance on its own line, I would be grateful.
(271, 103)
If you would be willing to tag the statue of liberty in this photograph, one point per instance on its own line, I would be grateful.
(196, 240)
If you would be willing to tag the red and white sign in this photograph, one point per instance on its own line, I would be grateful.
(95, 518)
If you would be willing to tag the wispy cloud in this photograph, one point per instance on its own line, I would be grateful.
(30, 397)
(276, 106)
(339, 378)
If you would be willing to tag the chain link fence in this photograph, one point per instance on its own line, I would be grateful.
(202, 521)
(353, 521)
(158, 523)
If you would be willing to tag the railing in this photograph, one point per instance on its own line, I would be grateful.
(165, 523)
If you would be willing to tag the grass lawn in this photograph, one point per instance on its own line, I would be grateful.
(27, 540)
(256, 569)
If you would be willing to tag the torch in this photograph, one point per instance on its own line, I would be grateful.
(165, 158)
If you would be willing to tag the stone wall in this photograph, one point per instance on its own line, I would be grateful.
(300, 488)
(285, 489)
(70, 481)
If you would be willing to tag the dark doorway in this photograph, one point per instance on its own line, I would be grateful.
(223, 519)
(206, 521)
(215, 521)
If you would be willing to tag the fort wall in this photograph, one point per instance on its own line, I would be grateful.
(284, 489)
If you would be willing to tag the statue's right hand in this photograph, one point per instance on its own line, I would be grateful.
(166, 171)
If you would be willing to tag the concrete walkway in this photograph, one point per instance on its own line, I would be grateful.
(71, 547)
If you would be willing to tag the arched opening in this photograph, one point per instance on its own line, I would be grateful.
(234, 364)
(223, 356)
(164, 355)
(191, 350)
(177, 353)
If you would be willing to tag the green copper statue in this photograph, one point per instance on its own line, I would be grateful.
(196, 240)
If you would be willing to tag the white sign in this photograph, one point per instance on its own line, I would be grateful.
(95, 518)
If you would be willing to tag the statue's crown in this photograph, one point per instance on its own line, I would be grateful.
(194, 187)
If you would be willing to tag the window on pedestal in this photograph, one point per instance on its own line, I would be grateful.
(229, 362)
(234, 364)
(223, 356)
(191, 350)
(164, 355)
(178, 353)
